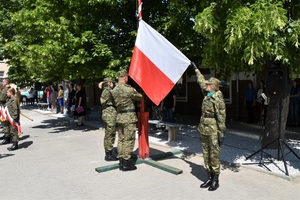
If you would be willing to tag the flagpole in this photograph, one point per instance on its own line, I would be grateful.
(140, 9)
(143, 126)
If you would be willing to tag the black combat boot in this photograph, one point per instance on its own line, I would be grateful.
(207, 183)
(128, 165)
(109, 156)
(6, 140)
(13, 147)
(120, 163)
(215, 183)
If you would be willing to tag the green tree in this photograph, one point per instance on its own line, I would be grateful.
(47, 41)
(243, 36)
(53, 41)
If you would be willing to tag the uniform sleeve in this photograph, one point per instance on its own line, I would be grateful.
(3, 95)
(200, 80)
(220, 113)
(14, 110)
(135, 95)
(104, 97)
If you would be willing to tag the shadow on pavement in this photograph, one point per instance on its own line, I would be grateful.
(5, 155)
(25, 145)
(62, 125)
(24, 137)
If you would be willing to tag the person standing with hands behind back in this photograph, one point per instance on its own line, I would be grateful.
(212, 127)
(124, 96)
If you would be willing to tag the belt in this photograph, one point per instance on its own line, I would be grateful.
(208, 115)
(110, 106)
(126, 111)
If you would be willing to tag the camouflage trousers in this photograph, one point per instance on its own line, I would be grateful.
(110, 136)
(126, 134)
(109, 115)
(10, 131)
(211, 152)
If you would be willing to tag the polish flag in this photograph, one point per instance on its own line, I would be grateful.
(156, 64)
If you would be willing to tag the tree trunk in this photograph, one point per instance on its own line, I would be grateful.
(277, 114)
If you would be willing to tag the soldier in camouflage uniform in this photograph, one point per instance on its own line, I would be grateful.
(124, 96)
(3, 100)
(212, 127)
(109, 115)
(14, 112)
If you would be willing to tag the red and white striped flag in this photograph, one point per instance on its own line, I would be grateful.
(156, 64)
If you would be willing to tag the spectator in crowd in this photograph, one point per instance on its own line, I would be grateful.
(71, 99)
(53, 99)
(249, 101)
(294, 104)
(169, 103)
(266, 101)
(47, 91)
(35, 94)
(60, 99)
(31, 96)
(66, 96)
(80, 101)
(259, 98)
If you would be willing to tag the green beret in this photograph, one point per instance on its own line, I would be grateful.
(122, 73)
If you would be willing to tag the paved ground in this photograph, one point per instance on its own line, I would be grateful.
(57, 160)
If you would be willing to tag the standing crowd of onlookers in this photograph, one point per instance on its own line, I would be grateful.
(62, 99)
(256, 104)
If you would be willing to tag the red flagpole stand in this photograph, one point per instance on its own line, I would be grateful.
(143, 128)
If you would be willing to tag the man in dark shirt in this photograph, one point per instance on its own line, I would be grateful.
(71, 99)
(169, 104)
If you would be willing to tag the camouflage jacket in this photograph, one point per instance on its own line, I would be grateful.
(13, 108)
(124, 96)
(3, 96)
(106, 98)
(109, 112)
(213, 105)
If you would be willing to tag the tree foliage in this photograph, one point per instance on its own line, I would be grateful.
(245, 35)
(66, 39)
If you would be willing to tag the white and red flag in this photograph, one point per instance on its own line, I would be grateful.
(156, 64)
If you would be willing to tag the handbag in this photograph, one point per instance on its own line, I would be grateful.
(79, 109)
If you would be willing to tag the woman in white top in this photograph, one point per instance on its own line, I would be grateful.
(259, 99)
(66, 98)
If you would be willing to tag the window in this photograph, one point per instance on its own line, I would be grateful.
(1, 76)
(226, 90)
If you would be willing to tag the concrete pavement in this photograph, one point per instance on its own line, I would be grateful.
(57, 160)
